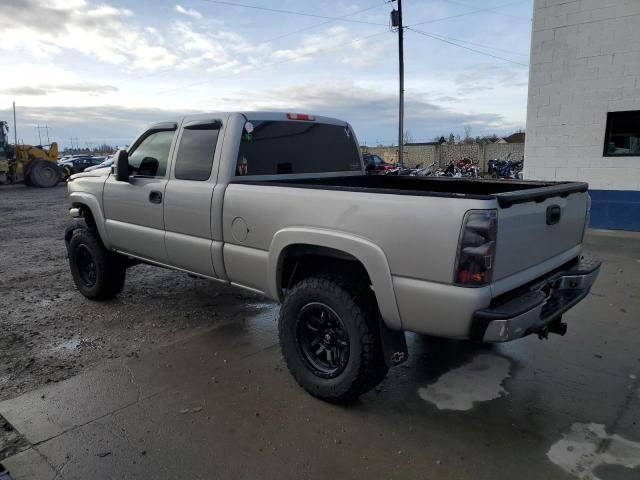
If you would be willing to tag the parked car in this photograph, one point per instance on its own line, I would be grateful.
(78, 164)
(279, 204)
(376, 165)
(106, 164)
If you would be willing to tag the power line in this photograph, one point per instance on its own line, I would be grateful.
(466, 48)
(377, 5)
(292, 12)
(498, 13)
(480, 10)
(272, 39)
(478, 44)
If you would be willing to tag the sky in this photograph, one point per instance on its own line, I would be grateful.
(100, 71)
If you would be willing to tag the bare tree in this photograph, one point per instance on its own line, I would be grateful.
(467, 140)
(407, 138)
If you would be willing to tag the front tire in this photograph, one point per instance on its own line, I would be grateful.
(330, 339)
(97, 273)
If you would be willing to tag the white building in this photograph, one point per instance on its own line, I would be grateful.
(583, 120)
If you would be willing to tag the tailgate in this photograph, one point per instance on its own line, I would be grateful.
(538, 224)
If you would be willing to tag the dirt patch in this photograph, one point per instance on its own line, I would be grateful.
(50, 332)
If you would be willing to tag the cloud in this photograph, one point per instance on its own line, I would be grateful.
(312, 44)
(103, 32)
(112, 124)
(489, 76)
(189, 12)
(47, 89)
(114, 35)
(373, 114)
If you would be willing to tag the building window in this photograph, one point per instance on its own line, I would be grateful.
(622, 137)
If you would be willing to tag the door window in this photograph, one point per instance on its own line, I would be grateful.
(195, 154)
(150, 157)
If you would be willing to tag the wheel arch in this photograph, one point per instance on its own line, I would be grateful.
(334, 246)
(92, 213)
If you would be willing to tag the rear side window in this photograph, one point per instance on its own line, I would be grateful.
(195, 154)
(281, 147)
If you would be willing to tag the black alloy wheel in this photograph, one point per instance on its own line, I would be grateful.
(322, 339)
(87, 270)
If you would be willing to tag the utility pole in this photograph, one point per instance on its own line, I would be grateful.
(46, 129)
(39, 137)
(396, 21)
(15, 129)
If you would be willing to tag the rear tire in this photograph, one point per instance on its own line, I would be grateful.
(44, 174)
(330, 338)
(97, 273)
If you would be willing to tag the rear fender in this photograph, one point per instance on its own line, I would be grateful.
(370, 255)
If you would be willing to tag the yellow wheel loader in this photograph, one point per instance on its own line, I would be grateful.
(33, 165)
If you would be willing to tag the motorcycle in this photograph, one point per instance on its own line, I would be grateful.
(504, 168)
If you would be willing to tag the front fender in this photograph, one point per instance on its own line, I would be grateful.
(91, 202)
(369, 254)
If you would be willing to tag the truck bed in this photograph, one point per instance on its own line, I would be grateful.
(508, 192)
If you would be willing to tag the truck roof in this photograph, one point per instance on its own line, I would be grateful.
(252, 116)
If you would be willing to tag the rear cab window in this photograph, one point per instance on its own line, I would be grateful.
(295, 147)
(194, 159)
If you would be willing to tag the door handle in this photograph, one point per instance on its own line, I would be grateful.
(155, 197)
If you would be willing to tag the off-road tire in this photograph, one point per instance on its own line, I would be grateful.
(44, 174)
(109, 268)
(355, 305)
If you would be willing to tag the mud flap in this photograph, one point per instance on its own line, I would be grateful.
(394, 345)
(68, 233)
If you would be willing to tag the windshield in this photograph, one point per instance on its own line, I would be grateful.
(281, 147)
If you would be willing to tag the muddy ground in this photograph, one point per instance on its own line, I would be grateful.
(49, 332)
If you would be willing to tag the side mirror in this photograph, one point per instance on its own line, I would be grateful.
(122, 166)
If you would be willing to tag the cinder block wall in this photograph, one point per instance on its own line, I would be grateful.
(414, 154)
(585, 62)
(503, 151)
(443, 154)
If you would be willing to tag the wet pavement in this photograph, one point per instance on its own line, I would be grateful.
(221, 404)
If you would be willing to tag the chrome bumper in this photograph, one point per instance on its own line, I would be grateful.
(538, 308)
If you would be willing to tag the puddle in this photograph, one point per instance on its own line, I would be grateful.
(587, 446)
(477, 381)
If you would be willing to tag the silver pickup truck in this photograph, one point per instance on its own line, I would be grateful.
(280, 204)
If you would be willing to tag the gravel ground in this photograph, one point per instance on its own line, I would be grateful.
(49, 332)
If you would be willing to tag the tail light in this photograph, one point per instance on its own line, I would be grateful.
(476, 248)
(300, 116)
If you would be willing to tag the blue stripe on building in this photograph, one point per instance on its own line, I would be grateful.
(615, 209)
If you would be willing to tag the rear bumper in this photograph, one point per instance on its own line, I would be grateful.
(536, 307)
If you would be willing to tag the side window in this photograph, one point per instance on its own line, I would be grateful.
(195, 154)
(150, 157)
